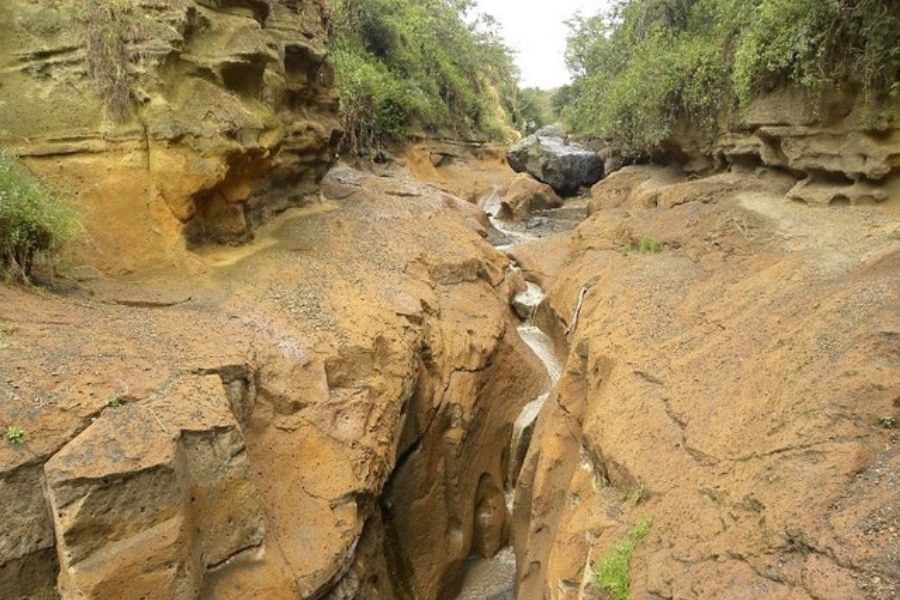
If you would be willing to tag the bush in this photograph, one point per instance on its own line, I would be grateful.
(418, 64)
(651, 64)
(34, 222)
(535, 109)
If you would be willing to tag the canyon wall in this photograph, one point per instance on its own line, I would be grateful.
(170, 122)
(732, 381)
(323, 413)
(845, 149)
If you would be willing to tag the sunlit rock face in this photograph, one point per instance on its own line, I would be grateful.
(182, 121)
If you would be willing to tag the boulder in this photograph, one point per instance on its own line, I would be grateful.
(525, 195)
(550, 158)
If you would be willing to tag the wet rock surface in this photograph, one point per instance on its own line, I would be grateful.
(549, 157)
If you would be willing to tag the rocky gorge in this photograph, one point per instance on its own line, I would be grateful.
(281, 375)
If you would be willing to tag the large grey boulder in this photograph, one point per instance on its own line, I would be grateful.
(548, 157)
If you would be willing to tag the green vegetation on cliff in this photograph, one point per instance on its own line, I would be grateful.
(405, 65)
(34, 223)
(649, 65)
(612, 571)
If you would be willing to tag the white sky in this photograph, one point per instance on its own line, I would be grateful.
(535, 31)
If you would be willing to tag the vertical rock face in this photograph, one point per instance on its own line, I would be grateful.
(152, 495)
(177, 120)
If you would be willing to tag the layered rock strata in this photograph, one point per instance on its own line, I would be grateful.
(179, 121)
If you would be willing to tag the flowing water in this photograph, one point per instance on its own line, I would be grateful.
(494, 579)
(491, 205)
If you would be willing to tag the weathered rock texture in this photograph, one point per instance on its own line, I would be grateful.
(231, 115)
(739, 388)
(550, 158)
(320, 414)
(470, 170)
(843, 147)
(525, 195)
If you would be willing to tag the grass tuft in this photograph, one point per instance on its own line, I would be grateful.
(649, 245)
(15, 435)
(612, 571)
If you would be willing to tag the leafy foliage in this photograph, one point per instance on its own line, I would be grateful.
(649, 245)
(649, 65)
(405, 64)
(612, 570)
(33, 221)
(535, 109)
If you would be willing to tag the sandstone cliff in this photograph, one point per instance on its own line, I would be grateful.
(173, 121)
(845, 150)
(734, 380)
(317, 415)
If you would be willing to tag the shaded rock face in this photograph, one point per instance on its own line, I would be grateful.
(342, 434)
(229, 114)
(526, 195)
(836, 143)
(840, 138)
(733, 388)
(548, 157)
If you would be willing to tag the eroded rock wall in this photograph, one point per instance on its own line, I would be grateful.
(736, 385)
(228, 115)
(322, 414)
(844, 147)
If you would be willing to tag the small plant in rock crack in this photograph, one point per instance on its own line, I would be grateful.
(649, 245)
(611, 572)
(638, 494)
(115, 401)
(888, 422)
(15, 435)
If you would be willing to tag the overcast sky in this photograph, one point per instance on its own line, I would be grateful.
(535, 31)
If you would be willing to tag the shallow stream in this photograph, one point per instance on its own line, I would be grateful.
(494, 579)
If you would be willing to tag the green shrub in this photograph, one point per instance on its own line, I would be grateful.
(818, 44)
(418, 64)
(649, 245)
(650, 65)
(34, 222)
(535, 109)
(612, 570)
